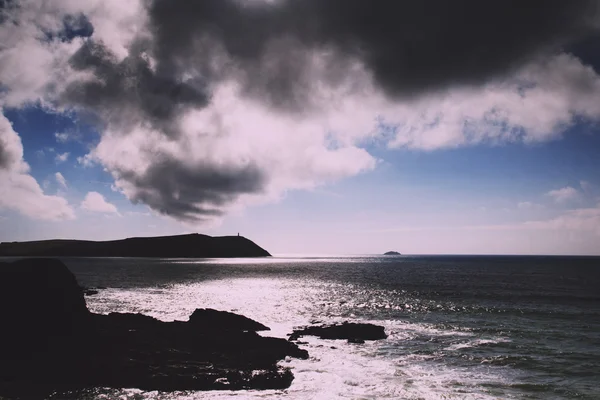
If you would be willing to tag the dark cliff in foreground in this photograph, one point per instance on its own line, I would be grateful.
(51, 343)
(180, 246)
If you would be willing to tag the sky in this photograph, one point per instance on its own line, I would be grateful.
(310, 127)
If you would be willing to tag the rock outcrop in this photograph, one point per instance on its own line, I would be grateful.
(40, 301)
(353, 332)
(50, 342)
(209, 319)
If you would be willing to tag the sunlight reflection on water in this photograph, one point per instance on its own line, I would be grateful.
(461, 327)
(336, 369)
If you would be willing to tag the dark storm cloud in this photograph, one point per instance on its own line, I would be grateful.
(76, 26)
(587, 50)
(6, 7)
(174, 188)
(268, 47)
(73, 26)
(409, 46)
(128, 92)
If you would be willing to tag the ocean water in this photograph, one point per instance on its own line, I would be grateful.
(459, 327)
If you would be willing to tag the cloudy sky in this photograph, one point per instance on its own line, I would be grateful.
(309, 126)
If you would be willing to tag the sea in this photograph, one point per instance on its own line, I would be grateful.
(460, 327)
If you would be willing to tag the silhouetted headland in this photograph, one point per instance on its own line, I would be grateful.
(391, 253)
(180, 246)
(50, 342)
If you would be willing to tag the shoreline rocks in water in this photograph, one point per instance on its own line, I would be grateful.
(91, 291)
(353, 332)
(223, 320)
(51, 342)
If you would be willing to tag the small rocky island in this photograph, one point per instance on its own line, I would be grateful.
(392, 253)
(179, 246)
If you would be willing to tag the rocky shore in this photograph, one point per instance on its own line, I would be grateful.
(51, 342)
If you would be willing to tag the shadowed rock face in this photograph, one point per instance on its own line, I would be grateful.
(50, 342)
(39, 301)
(353, 332)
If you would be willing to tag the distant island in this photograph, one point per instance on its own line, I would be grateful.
(392, 253)
(179, 246)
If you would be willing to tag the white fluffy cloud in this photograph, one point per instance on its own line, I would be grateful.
(61, 137)
(94, 201)
(62, 157)
(33, 68)
(18, 190)
(564, 195)
(86, 161)
(61, 180)
(291, 153)
(538, 103)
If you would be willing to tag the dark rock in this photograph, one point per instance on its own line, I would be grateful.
(392, 253)
(40, 302)
(356, 340)
(41, 287)
(347, 330)
(50, 342)
(145, 353)
(209, 319)
(91, 291)
(128, 321)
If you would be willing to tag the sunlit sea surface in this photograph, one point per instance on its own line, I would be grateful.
(459, 327)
